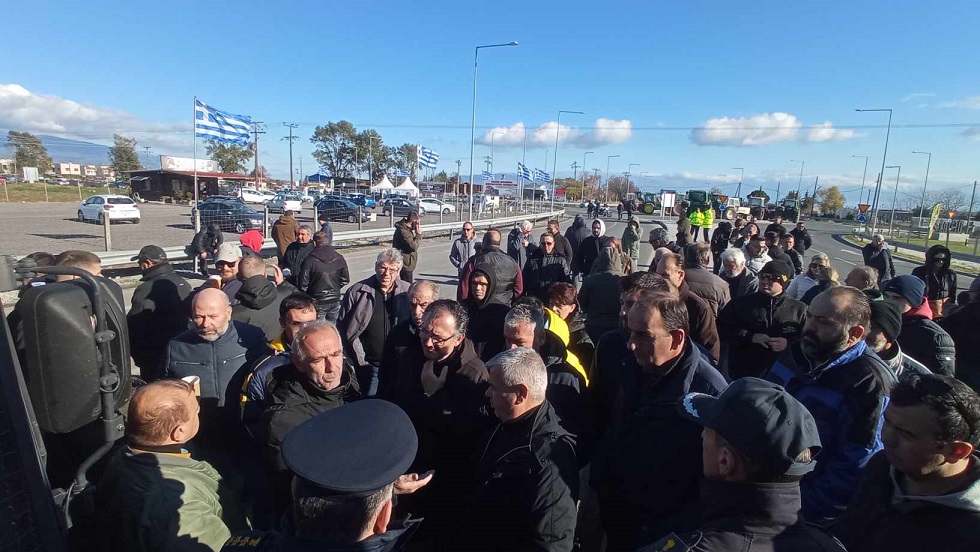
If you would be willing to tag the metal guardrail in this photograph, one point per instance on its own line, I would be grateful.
(179, 253)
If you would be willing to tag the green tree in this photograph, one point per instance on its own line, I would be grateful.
(572, 187)
(229, 157)
(30, 152)
(122, 155)
(760, 193)
(263, 172)
(372, 154)
(830, 200)
(441, 176)
(806, 206)
(406, 157)
(336, 145)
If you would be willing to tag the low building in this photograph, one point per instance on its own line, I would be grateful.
(178, 186)
(7, 166)
(67, 169)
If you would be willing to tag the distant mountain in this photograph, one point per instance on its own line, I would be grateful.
(66, 150)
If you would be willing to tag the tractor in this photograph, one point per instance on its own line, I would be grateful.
(732, 209)
(757, 207)
(788, 209)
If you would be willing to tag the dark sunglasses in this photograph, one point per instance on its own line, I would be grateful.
(816, 265)
(221, 264)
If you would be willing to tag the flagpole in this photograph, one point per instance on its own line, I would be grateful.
(523, 162)
(197, 227)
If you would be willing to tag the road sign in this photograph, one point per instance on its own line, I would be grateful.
(863, 207)
(722, 199)
(862, 218)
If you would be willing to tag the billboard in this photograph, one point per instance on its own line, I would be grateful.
(170, 163)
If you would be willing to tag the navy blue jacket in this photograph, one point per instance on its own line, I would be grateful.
(847, 398)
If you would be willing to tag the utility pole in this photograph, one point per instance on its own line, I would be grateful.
(290, 126)
(813, 200)
(255, 152)
(146, 150)
(575, 170)
(459, 164)
(489, 162)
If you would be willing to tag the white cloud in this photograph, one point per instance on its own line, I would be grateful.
(765, 128)
(825, 132)
(969, 102)
(917, 95)
(21, 109)
(972, 133)
(605, 131)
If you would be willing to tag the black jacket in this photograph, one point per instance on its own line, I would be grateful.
(801, 240)
(399, 376)
(941, 284)
(323, 274)
(579, 342)
(258, 305)
(744, 284)
(880, 260)
(925, 341)
(962, 326)
(407, 241)
(159, 313)
(576, 234)
(527, 487)
(207, 240)
(293, 258)
(775, 227)
(778, 254)
(875, 521)
(486, 327)
(541, 271)
(797, 260)
(564, 248)
(751, 517)
(587, 253)
(752, 314)
(647, 467)
(721, 238)
(569, 395)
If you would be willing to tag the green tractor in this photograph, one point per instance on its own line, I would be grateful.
(697, 199)
(650, 203)
(788, 209)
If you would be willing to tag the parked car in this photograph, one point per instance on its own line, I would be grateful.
(401, 207)
(340, 210)
(363, 200)
(115, 208)
(433, 205)
(229, 215)
(252, 196)
(282, 203)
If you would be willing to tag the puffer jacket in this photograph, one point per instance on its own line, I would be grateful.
(323, 275)
(847, 398)
(154, 501)
(486, 328)
(962, 328)
(941, 284)
(543, 270)
(576, 233)
(568, 392)
(258, 305)
(158, 314)
(758, 313)
(407, 241)
(599, 296)
(207, 240)
(925, 341)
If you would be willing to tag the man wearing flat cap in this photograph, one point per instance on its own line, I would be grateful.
(348, 463)
(159, 310)
(759, 442)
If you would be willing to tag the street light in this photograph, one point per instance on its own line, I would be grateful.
(741, 176)
(554, 167)
(881, 176)
(607, 175)
(863, 177)
(629, 173)
(922, 204)
(476, 56)
(891, 222)
(799, 187)
(584, 157)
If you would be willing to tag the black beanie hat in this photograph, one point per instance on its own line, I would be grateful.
(885, 316)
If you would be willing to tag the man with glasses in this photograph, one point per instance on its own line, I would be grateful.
(398, 380)
(545, 267)
(802, 283)
(463, 248)
(226, 264)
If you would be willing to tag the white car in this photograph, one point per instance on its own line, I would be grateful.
(433, 205)
(282, 203)
(252, 196)
(112, 207)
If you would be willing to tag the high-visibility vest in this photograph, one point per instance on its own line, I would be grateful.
(709, 217)
(694, 218)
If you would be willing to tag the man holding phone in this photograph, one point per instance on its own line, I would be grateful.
(407, 239)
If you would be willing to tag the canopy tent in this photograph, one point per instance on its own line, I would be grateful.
(385, 184)
(407, 187)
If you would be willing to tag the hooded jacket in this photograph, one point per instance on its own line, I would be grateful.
(258, 305)
(323, 274)
(544, 269)
(158, 314)
(207, 240)
(576, 234)
(589, 250)
(962, 328)
(486, 328)
(599, 296)
(284, 233)
(509, 277)
(746, 316)
(631, 240)
(847, 397)
(941, 284)
(925, 341)
(879, 259)
(883, 517)
(407, 241)
(251, 241)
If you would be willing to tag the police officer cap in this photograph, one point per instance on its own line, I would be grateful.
(355, 449)
(761, 420)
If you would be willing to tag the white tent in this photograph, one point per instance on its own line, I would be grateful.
(407, 187)
(385, 184)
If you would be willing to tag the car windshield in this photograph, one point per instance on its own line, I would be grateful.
(120, 201)
(347, 204)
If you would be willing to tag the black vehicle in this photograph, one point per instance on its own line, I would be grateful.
(230, 215)
(340, 210)
(402, 207)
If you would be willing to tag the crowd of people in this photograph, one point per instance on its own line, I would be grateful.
(736, 395)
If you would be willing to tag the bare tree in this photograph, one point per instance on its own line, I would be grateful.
(949, 199)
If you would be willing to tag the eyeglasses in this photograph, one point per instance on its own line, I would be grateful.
(426, 336)
(768, 277)
(222, 264)
(467, 229)
(387, 269)
(817, 265)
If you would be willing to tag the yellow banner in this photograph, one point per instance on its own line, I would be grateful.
(933, 219)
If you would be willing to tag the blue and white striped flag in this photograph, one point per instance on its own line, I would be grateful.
(214, 124)
(541, 176)
(523, 171)
(403, 172)
(428, 158)
(487, 176)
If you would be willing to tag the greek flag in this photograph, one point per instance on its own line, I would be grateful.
(403, 172)
(541, 176)
(428, 158)
(524, 172)
(487, 176)
(214, 124)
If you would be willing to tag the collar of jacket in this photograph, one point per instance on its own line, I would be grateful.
(967, 499)
(157, 271)
(749, 507)
(524, 429)
(677, 382)
(279, 344)
(231, 334)
(463, 355)
(845, 357)
(162, 458)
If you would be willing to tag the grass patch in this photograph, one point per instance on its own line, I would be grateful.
(35, 192)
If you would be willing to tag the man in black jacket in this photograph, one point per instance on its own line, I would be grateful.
(407, 239)
(206, 242)
(259, 298)
(758, 443)
(397, 381)
(877, 255)
(323, 274)
(701, 319)
(562, 246)
(775, 251)
(923, 491)
(921, 338)
(939, 278)
(292, 260)
(776, 226)
(576, 234)
(588, 251)
(801, 238)
(527, 473)
(159, 310)
(788, 244)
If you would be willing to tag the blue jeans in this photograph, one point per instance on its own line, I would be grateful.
(367, 379)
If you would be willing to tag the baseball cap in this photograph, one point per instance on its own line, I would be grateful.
(761, 420)
(229, 253)
(150, 253)
(910, 287)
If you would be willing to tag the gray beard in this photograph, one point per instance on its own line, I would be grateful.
(214, 337)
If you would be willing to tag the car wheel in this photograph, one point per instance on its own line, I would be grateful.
(240, 228)
(421, 211)
(351, 219)
(385, 213)
(102, 219)
(445, 211)
(81, 217)
(136, 221)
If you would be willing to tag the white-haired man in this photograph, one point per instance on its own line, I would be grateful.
(371, 308)
(519, 245)
(741, 281)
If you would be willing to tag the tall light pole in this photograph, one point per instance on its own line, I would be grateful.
(606, 197)
(881, 175)
(863, 177)
(922, 203)
(891, 221)
(799, 187)
(476, 57)
(629, 173)
(584, 157)
(554, 166)
(741, 176)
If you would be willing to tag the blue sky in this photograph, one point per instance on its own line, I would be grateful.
(406, 70)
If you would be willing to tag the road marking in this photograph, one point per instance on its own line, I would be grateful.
(851, 251)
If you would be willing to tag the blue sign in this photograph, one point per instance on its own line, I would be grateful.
(862, 218)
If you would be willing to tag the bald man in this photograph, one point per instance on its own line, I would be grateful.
(153, 495)
(218, 350)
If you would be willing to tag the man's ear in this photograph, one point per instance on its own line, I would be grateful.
(677, 338)
(856, 333)
(957, 450)
(384, 517)
(523, 393)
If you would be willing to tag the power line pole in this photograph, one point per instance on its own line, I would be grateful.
(255, 145)
(290, 126)
(146, 151)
